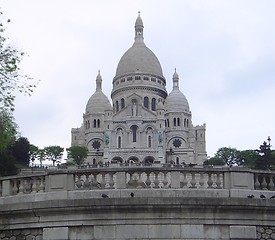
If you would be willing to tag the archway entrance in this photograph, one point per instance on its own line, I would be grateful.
(149, 160)
(133, 159)
(117, 160)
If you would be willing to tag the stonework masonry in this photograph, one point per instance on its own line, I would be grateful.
(144, 124)
(193, 203)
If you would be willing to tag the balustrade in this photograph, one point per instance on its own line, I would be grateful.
(264, 181)
(138, 178)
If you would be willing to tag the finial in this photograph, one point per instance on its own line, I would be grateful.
(139, 13)
(98, 71)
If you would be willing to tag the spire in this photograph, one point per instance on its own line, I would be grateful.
(98, 81)
(139, 29)
(175, 80)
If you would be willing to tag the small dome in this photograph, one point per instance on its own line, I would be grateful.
(176, 102)
(98, 102)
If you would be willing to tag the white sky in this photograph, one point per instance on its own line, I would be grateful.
(223, 50)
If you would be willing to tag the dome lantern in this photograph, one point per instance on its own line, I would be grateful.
(139, 29)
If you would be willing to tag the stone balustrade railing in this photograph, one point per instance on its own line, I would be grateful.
(137, 178)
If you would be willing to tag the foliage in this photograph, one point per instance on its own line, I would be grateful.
(266, 158)
(7, 130)
(54, 153)
(7, 137)
(248, 157)
(33, 153)
(41, 155)
(7, 164)
(229, 156)
(11, 76)
(216, 161)
(78, 154)
(20, 149)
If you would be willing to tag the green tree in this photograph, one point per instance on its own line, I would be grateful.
(229, 155)
(7, 164)
(8, 130)
(248, 157)
(41, 156)
(77, 153)
(33, 153)
(20, 149)
(266, 158)
(11, 75)
(216, 161)
(7, 137)
(54, 153)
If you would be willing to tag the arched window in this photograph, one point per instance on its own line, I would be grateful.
(149, 141)
(134, 132)
(153, 104)
(167, 122)
(187, 123)
(94, 123)
(98, 123)
(117, 106)
(184, 122)
(89, 124)
(146, 102)
(175, 122)
(119, 142)
(122, 103)
(178, 121)
(177, 160)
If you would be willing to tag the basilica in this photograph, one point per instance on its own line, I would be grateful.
(144, 124)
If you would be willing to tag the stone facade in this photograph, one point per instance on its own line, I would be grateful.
(144, 123)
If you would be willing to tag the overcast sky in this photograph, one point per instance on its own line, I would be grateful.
(224, 52)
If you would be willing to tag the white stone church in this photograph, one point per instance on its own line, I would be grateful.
(144, 124)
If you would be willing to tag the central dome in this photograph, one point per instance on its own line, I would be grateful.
(139, 58)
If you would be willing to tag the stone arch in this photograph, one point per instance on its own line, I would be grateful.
(117, 160)
(148, 160)
(133, 159)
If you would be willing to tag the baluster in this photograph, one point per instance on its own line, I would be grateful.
(28, 185)
(131, 181)
(156, 180)
(103, 180)
(140, 183)
(42, 185)
(78, 182)
(193, 180)
(256, 183)
(272, 182)
(148, 181)
(21, 186)
(14, 187)
(219, 182)
(34, 185)
(210, 181)
(264, 183)
(201, 181)
(184, 181)
(95, 184)
(165, 181)
(111, 182)
(87, 183)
